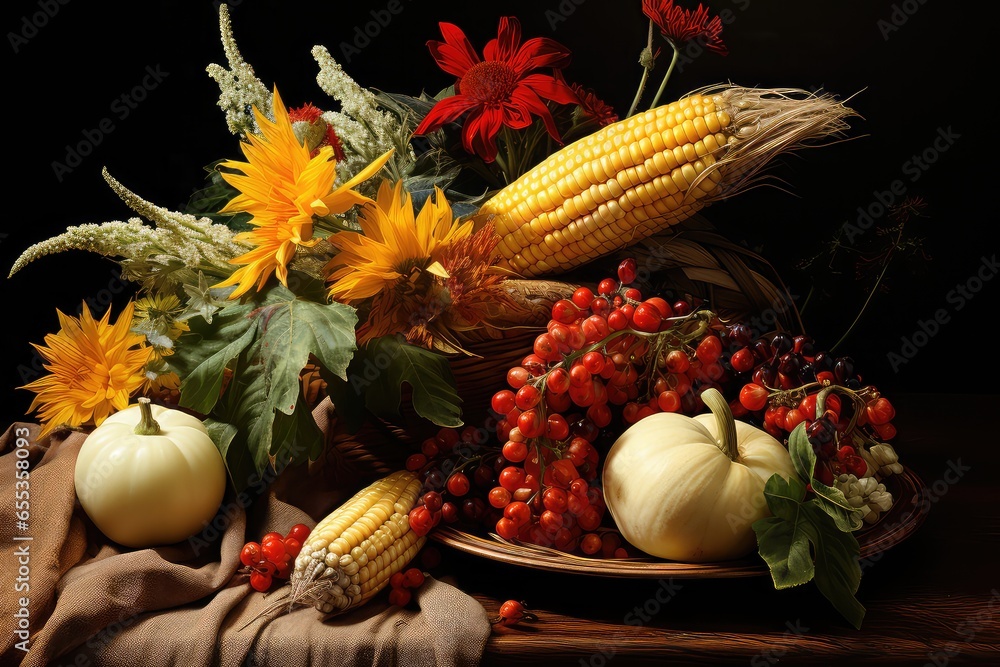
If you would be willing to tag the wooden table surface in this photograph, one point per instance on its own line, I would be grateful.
(933, 599)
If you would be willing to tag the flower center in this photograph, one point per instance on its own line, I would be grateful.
(489, 82)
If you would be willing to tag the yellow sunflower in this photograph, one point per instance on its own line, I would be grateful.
(397, 252)
(282, 187)
(95, 367)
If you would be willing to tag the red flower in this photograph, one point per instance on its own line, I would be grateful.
(594, 107)
(501, 89)
(681, 25)
(310, 113)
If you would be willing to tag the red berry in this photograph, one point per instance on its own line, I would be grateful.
(458, 484)
(627, 271)
(880, 411)
(397, 580)
(681, 308)
(433, 501)
(273, 535)
(527, 397)
(292, 546)
(662, 306)
(582, 297)
(503, 401)
(300, 532)
(506, 528)
(647, 317)
(607, 286)
(421, 520)
(251, 555)
(399, 597)
(743, 360)
(557, 381)
(260, 581)
(515, 452)
(415, 462)
(511, 612)
(556, 428)
(517, 377)
(753, 397)
(565, 311)
(273, 550)
(413, 578)
(499, 497)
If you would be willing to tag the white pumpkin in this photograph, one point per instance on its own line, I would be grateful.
(150, 476)
(689, 489)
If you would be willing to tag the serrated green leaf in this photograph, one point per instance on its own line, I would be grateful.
(203, 353)
(244, 407)
(784, 541)
(394, 363)
(292, 328)
(784, 546)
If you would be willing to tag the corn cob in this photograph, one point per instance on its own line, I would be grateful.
(636, 177)
(352, 553)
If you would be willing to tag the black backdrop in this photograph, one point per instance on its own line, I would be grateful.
(913, 64)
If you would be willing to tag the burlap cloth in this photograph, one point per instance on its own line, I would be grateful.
(92, 602)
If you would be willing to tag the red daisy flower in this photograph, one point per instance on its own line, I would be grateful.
(501, 89)
(594, 107)
(681, 25)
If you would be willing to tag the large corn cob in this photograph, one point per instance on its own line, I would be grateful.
(636, 177)
(351, 554)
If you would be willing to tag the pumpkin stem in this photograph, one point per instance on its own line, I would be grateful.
(717, 403)
(147, 425)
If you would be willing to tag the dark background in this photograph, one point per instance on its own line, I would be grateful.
(910, 83)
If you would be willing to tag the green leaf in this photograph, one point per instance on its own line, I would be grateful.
(390, 363)
(833, 501)
(347, 396)
(292, 328)
(203, 353)
(781, 542)
(838, 573)
(295, 438)
(242, 421)
(803, 456)
(784, 541)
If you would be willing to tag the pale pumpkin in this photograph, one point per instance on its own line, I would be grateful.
(150, 476)
(689, 488)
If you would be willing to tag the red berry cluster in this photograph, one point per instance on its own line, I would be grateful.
(274, 556)
(608, 360)
(402, 584)
(786, 377)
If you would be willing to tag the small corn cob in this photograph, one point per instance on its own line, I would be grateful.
(351, 554)
(636, 177)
